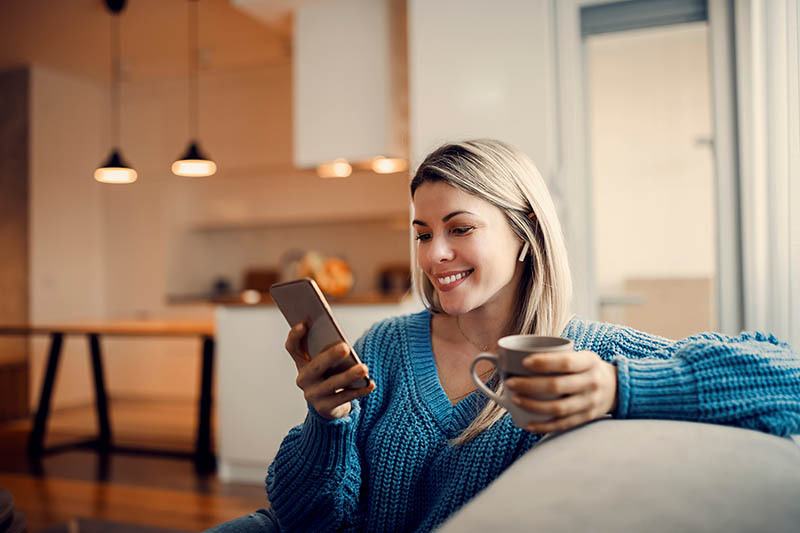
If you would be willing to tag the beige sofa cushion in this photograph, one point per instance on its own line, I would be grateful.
(644, 475)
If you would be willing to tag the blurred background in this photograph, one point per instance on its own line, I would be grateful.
(668, 132)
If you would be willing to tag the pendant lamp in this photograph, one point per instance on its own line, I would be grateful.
(193, 163)
(115, 169)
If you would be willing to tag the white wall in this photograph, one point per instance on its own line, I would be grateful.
(67, 224)
(481, 69)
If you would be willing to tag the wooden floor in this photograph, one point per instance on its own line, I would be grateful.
(136, 489)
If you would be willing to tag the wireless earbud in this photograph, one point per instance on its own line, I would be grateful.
(524, 252)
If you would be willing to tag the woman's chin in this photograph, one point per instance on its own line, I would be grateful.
(453, 307)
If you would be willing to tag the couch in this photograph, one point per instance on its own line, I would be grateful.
(644, 476)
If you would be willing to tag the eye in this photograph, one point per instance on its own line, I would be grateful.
(423, 237)
(462, 230)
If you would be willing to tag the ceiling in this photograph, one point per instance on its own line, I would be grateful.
(74, 36)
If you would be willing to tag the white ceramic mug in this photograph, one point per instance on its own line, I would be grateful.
(508, 361)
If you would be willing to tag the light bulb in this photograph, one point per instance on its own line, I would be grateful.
(194, 168)
(115, 175)
(251, 297)
(388, 165)
(338, 168)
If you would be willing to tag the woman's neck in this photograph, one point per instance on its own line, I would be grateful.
(487, 323)
(482, 326)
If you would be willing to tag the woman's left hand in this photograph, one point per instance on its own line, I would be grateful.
(584, 387)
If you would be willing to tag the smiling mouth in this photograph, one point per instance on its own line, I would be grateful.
(447, 280)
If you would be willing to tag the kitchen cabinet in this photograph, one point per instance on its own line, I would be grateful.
(349, 81)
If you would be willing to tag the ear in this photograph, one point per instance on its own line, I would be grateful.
(524, 252)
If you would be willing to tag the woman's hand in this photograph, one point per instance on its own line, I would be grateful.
(327, 395)
(584, 387)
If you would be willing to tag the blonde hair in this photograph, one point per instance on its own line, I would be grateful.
(503, 176)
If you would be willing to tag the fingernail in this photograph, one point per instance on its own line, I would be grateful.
(517, 400)
(512, 384)
(528, 361)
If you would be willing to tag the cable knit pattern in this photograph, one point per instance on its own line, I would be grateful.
(388, 465)
(751, 380)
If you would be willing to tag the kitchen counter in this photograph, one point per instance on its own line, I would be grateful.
(263, 298)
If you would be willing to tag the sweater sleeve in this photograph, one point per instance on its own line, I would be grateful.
(751, 380)
(314, 482)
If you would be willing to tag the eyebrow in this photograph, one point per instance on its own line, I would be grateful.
(444, 219)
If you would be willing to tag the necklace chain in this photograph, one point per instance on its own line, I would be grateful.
(481, 347)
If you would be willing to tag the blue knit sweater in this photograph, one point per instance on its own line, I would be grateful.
(388, 465)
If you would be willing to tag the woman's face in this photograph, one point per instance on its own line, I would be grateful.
(466, 248)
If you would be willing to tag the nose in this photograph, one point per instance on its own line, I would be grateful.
(440, 251)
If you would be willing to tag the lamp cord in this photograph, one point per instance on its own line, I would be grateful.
(194, 60)
(115, 77)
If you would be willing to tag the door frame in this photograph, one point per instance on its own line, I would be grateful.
(574, 163)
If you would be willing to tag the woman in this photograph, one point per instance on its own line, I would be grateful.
(408, 450)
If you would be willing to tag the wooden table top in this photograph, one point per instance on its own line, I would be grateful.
(155, 328)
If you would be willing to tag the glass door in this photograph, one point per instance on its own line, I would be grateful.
(652, 166)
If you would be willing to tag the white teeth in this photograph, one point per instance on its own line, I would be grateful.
(450, 279)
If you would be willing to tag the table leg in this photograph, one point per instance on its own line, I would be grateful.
(36, 439)
(100, 397)
(204, 459)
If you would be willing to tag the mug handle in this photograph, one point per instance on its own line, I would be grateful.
(480, 384)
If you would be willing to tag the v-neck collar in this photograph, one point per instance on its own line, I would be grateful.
(452, 419)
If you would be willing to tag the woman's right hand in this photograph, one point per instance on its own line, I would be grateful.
(327, 395)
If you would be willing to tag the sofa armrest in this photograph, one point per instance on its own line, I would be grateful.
(644, 475)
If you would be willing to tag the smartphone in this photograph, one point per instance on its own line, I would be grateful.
(302, 300)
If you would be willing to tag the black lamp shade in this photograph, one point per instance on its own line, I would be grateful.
(194, 163)
(115, 6)
(193, 152)
(115, 160)
(115, 170)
